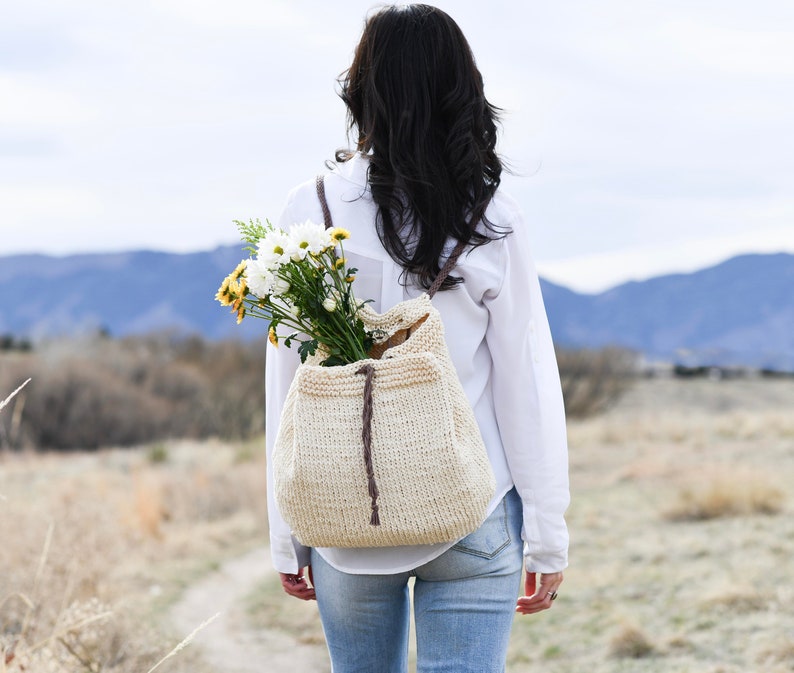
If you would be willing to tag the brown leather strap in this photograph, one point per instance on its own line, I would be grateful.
(320, 183)
(445, 270)
(448, 266)
(366, 437)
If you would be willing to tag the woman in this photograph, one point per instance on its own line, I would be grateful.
(424, 177)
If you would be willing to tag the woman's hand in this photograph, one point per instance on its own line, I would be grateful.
(297, 586)
(538, 597)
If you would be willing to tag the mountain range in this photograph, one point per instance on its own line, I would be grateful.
(739, 312)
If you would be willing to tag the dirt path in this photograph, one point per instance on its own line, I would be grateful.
(229, 644)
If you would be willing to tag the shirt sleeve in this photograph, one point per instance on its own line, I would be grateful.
(529, 405)
(287, 553)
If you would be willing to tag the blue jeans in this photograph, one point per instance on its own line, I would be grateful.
(464, 603)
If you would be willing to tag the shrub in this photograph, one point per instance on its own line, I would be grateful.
(630, 643)
(98, 392)
(725, 495)
(592, 380)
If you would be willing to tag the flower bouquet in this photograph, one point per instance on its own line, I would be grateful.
(396, 434)
(298, 280)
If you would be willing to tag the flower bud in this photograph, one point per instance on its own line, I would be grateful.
(280, 286)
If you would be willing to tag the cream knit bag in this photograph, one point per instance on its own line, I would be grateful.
(385, 451)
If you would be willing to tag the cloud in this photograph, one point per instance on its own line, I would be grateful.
(238, 15)
(47, 218)
(632, 126)
(30, 103)
(596, 272)
(733, 51)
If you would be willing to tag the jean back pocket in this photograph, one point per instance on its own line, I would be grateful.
(490, 538)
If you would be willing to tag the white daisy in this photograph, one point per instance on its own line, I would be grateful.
(307, 237)
(273, 249)
(259, 277)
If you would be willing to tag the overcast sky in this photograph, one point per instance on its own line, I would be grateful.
(646, 137)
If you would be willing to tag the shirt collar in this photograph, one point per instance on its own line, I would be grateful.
(354, 170)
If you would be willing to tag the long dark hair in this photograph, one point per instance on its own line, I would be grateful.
(415, 99)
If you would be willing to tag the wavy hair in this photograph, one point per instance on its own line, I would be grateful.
(416, 105)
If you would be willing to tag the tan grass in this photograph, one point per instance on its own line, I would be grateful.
(780, 654)
(91, 560)
(148, 511)
(736, 492)
(13, 395)
(696, 427)
(630, 642)
(184, 643)
(267, 609)
(737, 601)
(711, 595)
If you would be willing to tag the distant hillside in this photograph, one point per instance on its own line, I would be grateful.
(123, 293)
(737, 312)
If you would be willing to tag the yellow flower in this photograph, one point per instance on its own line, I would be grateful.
(234, 289)
(272, 337)
(239, 269)
(350, 279)
(338, 234)
(240, 313)
(339, 263)
(223, 292)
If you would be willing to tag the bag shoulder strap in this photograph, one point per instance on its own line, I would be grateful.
(320, 184)
(452, 260)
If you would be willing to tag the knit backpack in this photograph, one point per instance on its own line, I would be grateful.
(385, 451)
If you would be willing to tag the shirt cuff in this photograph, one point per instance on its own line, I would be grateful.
(547, 562)
(288, 555)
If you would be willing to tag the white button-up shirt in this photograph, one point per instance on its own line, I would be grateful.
(499, 341)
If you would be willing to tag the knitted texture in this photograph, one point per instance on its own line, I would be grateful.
(434, 480)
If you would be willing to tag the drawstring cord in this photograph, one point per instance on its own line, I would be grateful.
(368, 370)
(366, 435)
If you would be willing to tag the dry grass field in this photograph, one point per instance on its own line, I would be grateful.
(681, 524)
(682, 536)
(96, 547)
